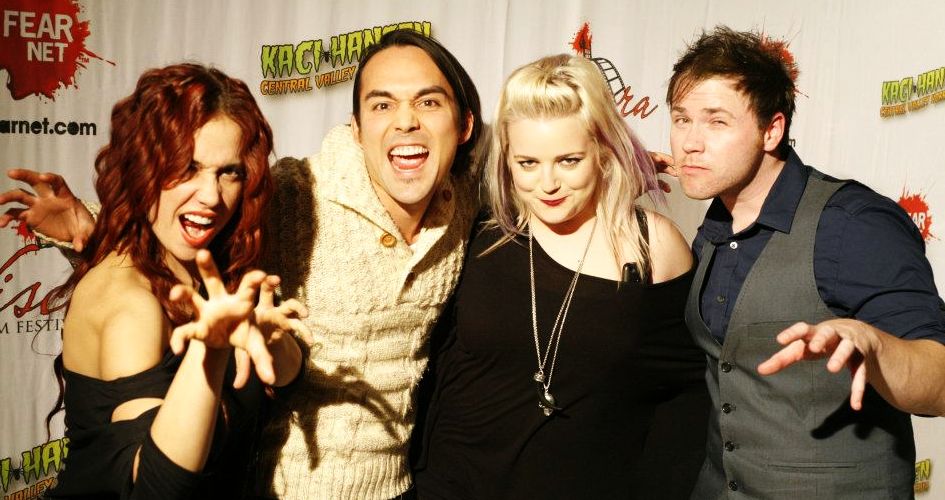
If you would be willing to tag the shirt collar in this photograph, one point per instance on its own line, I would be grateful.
(777, 212)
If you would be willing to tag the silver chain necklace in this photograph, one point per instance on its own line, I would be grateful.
(546, 400)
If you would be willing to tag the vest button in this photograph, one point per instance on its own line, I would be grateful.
(388, 240)
(726, 366)
(720, 299)
(732, 485)
(729, 446)
(727, 408)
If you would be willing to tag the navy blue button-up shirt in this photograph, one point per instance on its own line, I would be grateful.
(869, 258)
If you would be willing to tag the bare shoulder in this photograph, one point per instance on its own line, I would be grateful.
(670, 254)
(115, 326)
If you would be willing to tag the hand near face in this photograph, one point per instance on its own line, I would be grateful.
(53, 210)
(845, 342)
(664, 165)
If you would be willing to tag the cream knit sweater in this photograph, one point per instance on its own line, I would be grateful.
(343, 430)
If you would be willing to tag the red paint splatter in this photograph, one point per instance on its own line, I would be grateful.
(24, 231)
(779, 48)
(43, 46)
(917, 208)
(582, 41)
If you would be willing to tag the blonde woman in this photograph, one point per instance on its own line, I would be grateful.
(568, 372)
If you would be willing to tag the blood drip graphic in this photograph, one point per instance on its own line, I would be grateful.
(24, 231)
(582, 46)
(44, 46)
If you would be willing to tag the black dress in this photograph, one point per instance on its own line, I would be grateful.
(628, 377)
(101, 452)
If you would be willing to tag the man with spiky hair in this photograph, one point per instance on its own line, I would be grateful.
(795, 265)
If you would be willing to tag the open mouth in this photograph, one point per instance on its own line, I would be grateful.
(408, 157)
(198, 229)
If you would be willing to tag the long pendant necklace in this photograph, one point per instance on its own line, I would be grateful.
(546, 401)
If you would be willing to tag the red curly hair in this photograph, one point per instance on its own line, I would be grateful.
(151, 148)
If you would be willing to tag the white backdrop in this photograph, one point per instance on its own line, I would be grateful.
(854, 56)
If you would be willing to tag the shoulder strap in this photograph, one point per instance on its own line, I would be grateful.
(644, 229)
(645, 235)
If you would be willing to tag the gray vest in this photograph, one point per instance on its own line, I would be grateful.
(792, 434)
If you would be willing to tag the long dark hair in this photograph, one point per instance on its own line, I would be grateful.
(467, 97)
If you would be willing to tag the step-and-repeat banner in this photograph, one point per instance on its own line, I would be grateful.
(870, 107)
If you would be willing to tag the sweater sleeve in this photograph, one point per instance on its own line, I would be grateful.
(66, 247)
(291, 229)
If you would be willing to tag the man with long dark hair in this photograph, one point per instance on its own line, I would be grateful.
(392, 197)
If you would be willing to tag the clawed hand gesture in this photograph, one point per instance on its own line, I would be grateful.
(51, 209)
(845, 342)
(225, 320)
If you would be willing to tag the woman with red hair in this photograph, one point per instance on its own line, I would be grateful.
(148, 364)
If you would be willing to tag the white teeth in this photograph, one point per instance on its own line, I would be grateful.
(195, 232)
(198, 219)
(408, 150)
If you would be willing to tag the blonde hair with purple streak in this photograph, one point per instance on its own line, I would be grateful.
(562, 86)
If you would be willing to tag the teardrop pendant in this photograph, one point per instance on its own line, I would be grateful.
(546, 401)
